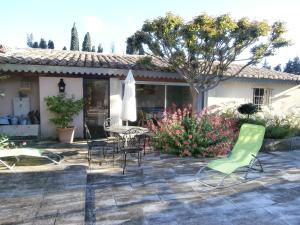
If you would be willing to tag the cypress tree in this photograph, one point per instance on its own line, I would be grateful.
(43, 43)
(74, 39)
(113, 48)
(100, 49)
(93, 48)
(50, 44)
(64, 48)
(278, 67)
(87, 44)
(35, 45)
(30, 40)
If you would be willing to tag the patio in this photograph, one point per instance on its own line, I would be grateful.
(162, 191)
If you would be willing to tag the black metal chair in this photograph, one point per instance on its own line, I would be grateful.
(111, 138)
(100, 144)
(132, 142)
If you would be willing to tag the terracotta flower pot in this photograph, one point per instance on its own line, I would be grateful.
(66, 135)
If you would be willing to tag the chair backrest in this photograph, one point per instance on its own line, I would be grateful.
(107, 122)
(249, 141)
(88, 135)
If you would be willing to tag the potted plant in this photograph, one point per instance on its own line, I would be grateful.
(64, 110)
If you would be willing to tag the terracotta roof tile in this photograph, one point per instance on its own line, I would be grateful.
(98, 60)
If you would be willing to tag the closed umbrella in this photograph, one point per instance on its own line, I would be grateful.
(129, 100)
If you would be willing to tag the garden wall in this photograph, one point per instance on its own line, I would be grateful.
(286, 144)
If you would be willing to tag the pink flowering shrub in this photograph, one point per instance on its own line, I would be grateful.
(205, 134)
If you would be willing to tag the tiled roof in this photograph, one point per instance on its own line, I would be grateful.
(51, 57)
(94, 63)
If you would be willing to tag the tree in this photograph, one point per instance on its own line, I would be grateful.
(87, 44)
(35, 45)
(202, 50)
(74, 39)
(266, 65)
(93, 48)
(133, 47)
(43, 43)
(247, 109)
(64, 48)
(112, 48)
(50, 44)
(100, 48)
(30, 40)
(293, 66)
(278, 67)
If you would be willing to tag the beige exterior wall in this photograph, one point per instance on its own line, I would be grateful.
(284, 94)
(49, 87)
(11, 88)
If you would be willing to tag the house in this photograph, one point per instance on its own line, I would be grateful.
(34, 74)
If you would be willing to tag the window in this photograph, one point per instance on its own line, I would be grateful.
(261, 97)
(152, 98)
(178, 95)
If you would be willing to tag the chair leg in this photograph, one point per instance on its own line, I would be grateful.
(200, 171)
(138, 154)
(255, 160)
(124, 166)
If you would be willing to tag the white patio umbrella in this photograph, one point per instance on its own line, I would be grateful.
(129, 100)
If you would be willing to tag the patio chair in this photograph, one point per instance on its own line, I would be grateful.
(243, 154)
(111, 138)
(132, 142)
(30, 152)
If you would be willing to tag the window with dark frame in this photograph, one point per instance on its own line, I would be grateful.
(262, 97)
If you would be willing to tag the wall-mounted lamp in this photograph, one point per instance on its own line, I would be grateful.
(61, 86)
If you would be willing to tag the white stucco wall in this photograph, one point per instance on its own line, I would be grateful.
(115, 101)
(284, 94)
(11, 88)
(49, 87)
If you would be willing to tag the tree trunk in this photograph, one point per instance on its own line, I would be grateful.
(197, 100)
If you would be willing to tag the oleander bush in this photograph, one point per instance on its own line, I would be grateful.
(181, 133)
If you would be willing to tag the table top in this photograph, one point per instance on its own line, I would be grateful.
(123, 129)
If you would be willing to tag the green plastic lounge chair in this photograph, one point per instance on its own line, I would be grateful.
(243, 154)
(31, 152)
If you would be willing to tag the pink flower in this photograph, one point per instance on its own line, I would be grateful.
(190, 136)
(186, 143)
(177, 131)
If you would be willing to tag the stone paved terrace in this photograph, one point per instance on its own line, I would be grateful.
(162, 191)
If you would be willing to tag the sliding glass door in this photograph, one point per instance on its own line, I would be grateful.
(96, 100)
(155, 98)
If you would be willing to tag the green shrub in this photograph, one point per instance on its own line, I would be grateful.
(64, 109)
(278, 132)
(247, 109)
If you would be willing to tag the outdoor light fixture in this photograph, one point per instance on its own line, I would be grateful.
(61, 86)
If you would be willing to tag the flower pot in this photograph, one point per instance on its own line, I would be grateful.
(66, 135)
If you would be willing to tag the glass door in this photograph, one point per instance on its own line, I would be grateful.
(96, 110)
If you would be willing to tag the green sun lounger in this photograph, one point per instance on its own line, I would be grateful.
(243, 154)
(30, 152)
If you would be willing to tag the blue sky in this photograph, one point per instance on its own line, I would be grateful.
(113, 21)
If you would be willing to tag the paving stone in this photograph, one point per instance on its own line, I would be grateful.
(163, 191)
